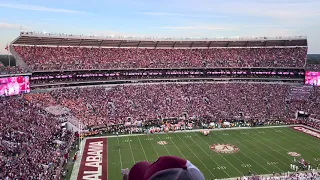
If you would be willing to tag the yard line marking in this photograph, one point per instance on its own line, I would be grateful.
(143, 149)
(164, 146)
(177, 147)
(256, 154)
(263, 149)
(302, 147)
(302, 141)
(108, 158)
(131, 150)
(259, 155)
(278, 146)
(224, 157)
(119, 153)
(219, 155)
(243, 154)
(154, 148)
(200, 159)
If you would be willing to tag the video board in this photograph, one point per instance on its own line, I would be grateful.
(14, 85)
(312, 78)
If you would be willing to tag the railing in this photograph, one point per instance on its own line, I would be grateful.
(113, 37)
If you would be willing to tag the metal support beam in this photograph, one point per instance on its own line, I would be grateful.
(80, 42)
(139, 44)
(157, 44)
(191, 44)
(101, 43)
(60, 42)
(210, 44)
(174, 44)
(120, 44)
(38, 41)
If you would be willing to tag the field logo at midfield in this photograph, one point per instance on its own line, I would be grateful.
(294, 154)
(162, 142)
(224, 148)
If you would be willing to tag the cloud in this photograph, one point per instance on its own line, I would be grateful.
(184, 15)
(9, 26)
(38, 8)
(209, 27)
(271, 8)
(160, 14)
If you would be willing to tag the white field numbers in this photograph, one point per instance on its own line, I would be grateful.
(246, 165)
(221, 167)
(272, 163)
(127, 140)
(317, 159)
(244, 133)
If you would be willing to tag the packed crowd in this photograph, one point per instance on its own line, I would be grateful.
(313, 67)
(11, 70)
(100, 105)
(32, 143)
(291, 176)
(70, 58)
(313, 121)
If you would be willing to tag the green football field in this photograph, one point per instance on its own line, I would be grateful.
(261, 150)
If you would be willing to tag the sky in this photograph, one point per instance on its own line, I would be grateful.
(163, 18)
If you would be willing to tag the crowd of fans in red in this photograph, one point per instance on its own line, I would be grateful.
(291, 176)
(313, 67)
(11, 70)
(27, 132)
(100, 105)
(32, 143)
(68, 58)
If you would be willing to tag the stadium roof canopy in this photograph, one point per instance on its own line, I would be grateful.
(42, 39)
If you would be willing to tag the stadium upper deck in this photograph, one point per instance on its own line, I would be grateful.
(42, 52)
(32, 38)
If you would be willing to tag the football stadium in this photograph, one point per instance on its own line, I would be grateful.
(160, 90)
(98, 107)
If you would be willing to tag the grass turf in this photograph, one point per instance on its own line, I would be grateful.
(262, 151)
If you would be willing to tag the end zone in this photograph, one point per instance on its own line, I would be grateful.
(307, 131)
(94, 162)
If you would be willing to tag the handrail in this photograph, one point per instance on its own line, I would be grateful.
(118, 37)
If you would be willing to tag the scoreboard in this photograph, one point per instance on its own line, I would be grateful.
(14, 85)
(312, 78)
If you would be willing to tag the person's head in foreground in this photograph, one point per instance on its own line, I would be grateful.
(165, 168)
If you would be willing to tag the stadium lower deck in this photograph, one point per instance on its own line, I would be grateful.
(224, 153)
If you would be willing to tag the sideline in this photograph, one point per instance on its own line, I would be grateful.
(76, 165)
(197, 130)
